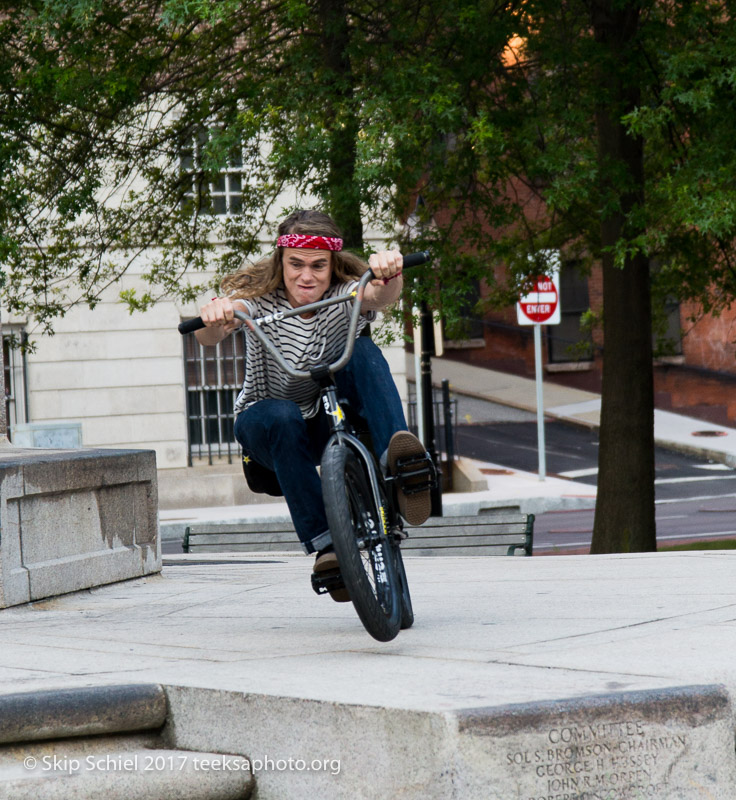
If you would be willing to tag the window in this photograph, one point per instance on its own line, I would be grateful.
(214, 377)
(566, 341)
(217, 192)
(667, 333)
(666, 327)
(14, 362)
(470, 330)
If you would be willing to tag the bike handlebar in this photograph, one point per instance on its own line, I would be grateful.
(255, 325)
(409, 261)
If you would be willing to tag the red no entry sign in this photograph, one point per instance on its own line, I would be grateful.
(542, 304)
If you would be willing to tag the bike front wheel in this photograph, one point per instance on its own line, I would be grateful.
(367, 559)
(407, 611)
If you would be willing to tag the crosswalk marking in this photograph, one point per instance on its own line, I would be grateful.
(579, 473)
(585, 473)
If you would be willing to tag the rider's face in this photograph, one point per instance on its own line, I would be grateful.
(307, 274)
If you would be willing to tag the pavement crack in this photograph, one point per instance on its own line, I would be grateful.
(628, 626)
(618, 673)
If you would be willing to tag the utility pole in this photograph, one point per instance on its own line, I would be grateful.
(425, 378)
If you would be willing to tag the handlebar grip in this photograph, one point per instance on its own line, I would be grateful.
(415, 259)
(410, 260)
(191, 325)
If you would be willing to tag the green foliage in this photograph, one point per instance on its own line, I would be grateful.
(361, 109)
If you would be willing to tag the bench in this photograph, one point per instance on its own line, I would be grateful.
(242, 537)
(496, 531)
(493, 532)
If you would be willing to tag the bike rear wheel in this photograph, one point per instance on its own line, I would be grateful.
(367, 557)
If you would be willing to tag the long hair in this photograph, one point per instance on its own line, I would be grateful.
(265, 275)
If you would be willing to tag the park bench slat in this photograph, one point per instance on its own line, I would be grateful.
(240, 527)
(448, 539)
(500, 531)
(252, 547)
(517, 529)
(462, 551)
(491, 517)
(242, 537)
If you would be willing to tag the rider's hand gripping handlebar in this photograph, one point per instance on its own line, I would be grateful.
(409, 261)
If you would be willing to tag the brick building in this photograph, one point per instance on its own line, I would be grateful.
(695, 374)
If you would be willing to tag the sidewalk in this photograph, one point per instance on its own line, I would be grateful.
(579, 677)
(687, 434)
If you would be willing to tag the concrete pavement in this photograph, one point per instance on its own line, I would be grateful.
(576, 678)
(256, 664)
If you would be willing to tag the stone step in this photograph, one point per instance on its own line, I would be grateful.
(82, 711)
(106, 742)
(57, 771)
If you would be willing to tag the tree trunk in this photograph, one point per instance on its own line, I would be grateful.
(343, 199)
(624, 516)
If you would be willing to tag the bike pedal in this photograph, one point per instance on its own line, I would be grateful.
(415, 474)
(324, 583)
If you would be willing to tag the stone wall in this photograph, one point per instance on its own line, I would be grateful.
(73, 519)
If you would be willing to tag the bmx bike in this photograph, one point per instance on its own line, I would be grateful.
(360, 498)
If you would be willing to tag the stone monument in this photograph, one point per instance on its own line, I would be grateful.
(73, 519)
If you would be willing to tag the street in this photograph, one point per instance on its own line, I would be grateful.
(695, 499)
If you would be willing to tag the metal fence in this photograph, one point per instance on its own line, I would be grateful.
(444, 408)
(214, 378)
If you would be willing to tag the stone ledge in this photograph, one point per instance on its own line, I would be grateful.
(84, 711)
(123, 774)
(50, 471)
(666, 744)
(669, 744)
(75, 519)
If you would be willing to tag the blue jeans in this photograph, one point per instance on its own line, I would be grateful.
(273, 433)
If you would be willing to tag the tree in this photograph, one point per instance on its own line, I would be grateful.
(661, 106)
(601, 128)
(624, 517)
(609, 132)
(99, 98)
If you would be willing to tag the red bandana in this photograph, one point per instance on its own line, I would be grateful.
(312, 242)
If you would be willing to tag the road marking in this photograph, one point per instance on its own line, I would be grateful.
(669, 537)
(585, 473)
(714, 534)
(579, 473)
(696, 479)
(571, 530)
(693, 499)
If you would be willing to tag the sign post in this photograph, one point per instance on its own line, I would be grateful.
(541, 306)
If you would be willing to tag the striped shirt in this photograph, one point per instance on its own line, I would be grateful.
(303, 343)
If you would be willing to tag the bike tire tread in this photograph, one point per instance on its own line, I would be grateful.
(336, 461)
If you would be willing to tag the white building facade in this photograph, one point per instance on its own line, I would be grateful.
(132, 381)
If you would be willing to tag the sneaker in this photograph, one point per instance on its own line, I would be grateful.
(326, 565)
(414, 507)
